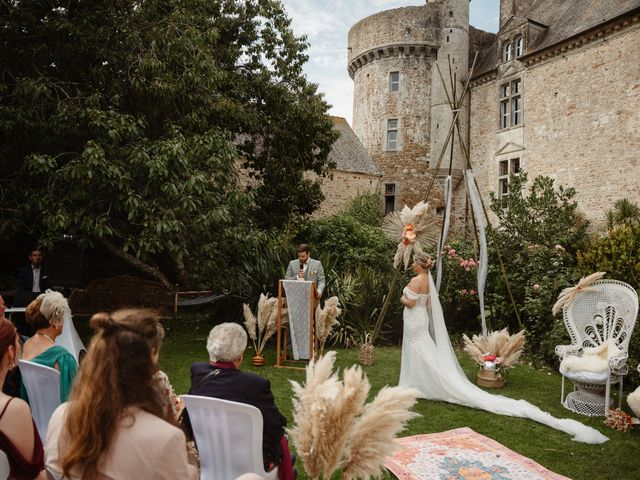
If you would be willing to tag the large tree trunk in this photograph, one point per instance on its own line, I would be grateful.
(136, 263)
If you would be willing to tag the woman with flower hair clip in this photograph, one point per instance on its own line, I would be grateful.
(46, 316)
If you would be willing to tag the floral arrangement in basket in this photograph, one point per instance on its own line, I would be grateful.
(498, 351)
(326, 319)
(334, 429)
(262, 326)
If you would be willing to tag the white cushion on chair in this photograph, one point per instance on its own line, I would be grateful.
(584, 375)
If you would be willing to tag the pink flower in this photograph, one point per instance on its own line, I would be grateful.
(472, 262)
(498, 360)
(463, 263)
(536, 286)
(468, 269)
(472, 292)
(463, 291)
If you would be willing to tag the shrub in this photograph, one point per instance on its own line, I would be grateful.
(365, 208)
(617, 253)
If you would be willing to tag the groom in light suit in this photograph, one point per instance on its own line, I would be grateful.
(306, 268)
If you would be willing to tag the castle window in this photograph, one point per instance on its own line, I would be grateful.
(394, 81)
(519, 46)
(511, 113)
(506, 168)
(506, 52)
(392, 134)
(389, 197)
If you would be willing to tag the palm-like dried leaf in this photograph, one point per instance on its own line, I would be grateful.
(512, 349)
(373, 435)
(414, 228)
(472, 349)
(326, 318)
(263, 312)
(249, 321)
(568, 294)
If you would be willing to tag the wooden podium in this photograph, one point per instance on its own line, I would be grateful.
(300, 298)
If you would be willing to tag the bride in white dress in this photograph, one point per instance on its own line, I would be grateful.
(429, 363)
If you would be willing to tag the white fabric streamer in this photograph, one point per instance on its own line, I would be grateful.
(445, 230)
(483, 261)
(429, 364)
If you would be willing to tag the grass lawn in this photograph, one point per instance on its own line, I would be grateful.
(616, 459)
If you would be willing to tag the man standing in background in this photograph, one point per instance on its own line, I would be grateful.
(33, 277)
(306, 268)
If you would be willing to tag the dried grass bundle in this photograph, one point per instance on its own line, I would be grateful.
(261, 328)
(568, 294)
(373, 435)
(326, 319)
(332, 426)
(498, 343)
(414, 228)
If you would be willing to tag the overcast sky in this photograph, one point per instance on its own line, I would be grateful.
(326, 24)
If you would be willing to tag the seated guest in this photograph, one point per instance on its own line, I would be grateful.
(220, 378)
(114, 425)
(46, 316)
(19, 439)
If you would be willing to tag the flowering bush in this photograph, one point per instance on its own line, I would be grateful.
(458, 292)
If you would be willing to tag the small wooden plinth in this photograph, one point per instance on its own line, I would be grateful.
(257, 361)
(487, 378)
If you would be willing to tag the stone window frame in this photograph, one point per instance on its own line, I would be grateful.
(392, 129)
(390, 195)
(512, 165)
(505, 52)
(518, 46)
(394, 82)
(511, 103)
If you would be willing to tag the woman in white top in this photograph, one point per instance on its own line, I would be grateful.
(429, 363)
(114, 425)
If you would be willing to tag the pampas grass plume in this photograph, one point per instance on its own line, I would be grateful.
(373, 435)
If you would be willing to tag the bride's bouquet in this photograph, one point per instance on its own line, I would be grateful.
(498, 351)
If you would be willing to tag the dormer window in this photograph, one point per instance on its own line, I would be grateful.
(506, 52)
(519, 42)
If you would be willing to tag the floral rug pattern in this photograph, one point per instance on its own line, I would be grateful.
(462, 454)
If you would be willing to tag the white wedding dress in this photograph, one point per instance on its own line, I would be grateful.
(429, 365)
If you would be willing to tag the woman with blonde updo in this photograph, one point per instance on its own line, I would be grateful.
(114, 425)
(46, 316)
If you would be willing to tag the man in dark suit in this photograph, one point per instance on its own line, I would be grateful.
(33, 277)
(220, 378)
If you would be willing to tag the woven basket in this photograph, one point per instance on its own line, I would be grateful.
(367, 351)
(487, 378)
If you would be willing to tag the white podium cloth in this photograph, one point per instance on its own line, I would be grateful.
(69, 337)
(299, 294)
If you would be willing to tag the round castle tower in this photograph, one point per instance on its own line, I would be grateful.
(400, 110)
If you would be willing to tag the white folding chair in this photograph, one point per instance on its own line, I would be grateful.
(43, 388)
(69, 337)
(5, 468)
(229, 438)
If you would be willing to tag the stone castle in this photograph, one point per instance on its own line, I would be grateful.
(556, 92)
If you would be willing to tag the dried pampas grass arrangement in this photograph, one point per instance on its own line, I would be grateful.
(414, 228)
(334, 429)
(261, 328)
(326, 319)
(507, 348)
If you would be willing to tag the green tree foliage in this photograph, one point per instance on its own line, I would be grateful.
(365, 208)
(617, 253)
(121, 123)
(624, 212)
(539, 229)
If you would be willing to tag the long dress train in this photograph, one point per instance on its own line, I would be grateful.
(429, 364)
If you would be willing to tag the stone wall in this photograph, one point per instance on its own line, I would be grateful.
(341, 188)
(581, 123)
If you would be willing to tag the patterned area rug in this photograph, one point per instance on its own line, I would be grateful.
(462, 454)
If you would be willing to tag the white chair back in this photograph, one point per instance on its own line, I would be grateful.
(229, 438)
(605, 310)
(69, 337)
(5, 468)
(43, 387)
